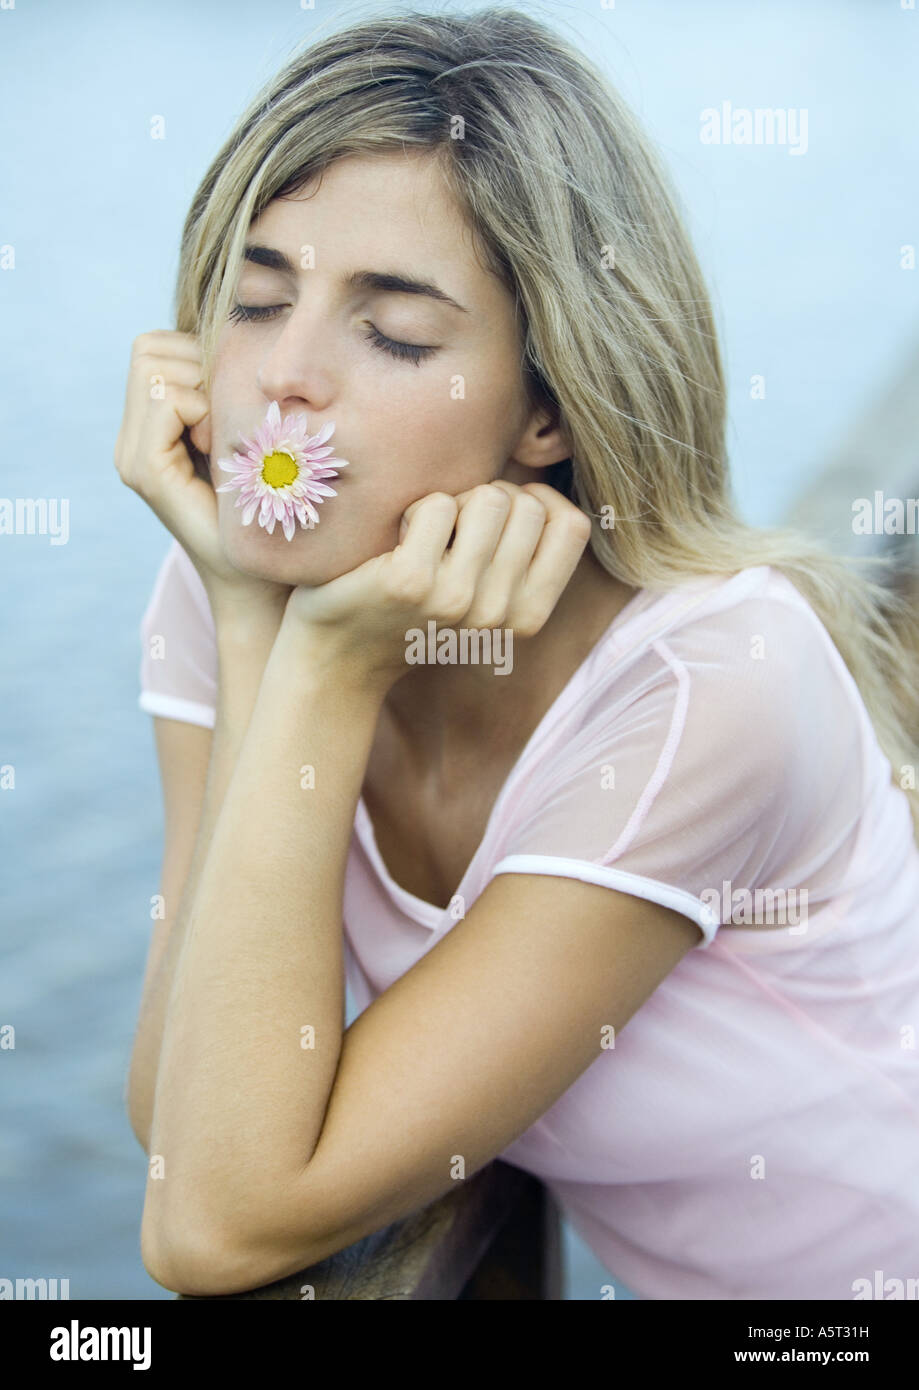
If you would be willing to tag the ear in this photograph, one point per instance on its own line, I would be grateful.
(544, 440)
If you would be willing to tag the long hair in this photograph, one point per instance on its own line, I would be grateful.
(572, 210)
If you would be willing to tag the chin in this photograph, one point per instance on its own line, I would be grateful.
(311, 557)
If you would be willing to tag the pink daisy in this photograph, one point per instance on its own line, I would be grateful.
(279, 475)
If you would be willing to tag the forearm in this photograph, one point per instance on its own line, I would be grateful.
(256, 1010)
(244, 640)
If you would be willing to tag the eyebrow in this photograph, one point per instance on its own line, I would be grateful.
(387, 282)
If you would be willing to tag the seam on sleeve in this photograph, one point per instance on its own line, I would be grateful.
(665, 761)
(172, 707)
(705, 918)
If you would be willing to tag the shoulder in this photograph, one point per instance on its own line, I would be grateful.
(725, 709)
(717, 609)
(178, 595)
(760, 672)
(750, 635)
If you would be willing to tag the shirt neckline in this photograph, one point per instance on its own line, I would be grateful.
(642, 602)
(427, 913)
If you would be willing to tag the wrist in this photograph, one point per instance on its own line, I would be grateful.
(245, 606)
(323, 656)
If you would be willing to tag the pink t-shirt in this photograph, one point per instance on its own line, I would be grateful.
(754, 1130)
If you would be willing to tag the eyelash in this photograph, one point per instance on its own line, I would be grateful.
(403, 352)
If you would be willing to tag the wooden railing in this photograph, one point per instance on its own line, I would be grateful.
(496, 1236)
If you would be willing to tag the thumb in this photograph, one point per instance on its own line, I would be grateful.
(200, 434)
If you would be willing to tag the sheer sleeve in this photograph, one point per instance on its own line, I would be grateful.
(728, 757)
(178, 666)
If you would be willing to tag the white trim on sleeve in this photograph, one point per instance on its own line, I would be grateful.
(171, 707)
(705, 918)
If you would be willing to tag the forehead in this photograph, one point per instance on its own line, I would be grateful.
(355, 191)
(389, 208)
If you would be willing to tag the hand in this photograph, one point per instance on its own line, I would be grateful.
(514, 552)
(165, 402)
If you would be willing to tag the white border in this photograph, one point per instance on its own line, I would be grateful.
(171, 707)
(704, 917)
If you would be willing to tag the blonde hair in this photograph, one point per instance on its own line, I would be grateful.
(572, 210)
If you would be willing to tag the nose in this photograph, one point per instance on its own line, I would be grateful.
(294, 372)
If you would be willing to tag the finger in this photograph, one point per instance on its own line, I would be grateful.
(564, 538)
(502, 579)
(430, 527)
(479, 524)
(188, 402)
(179, 409)
(152, 372)
(157, 413)
(168, 342)
(460, 497)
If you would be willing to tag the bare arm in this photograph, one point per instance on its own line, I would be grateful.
(284, 1137)
(153, 459)
(196, 766)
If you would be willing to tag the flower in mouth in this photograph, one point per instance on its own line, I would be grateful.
(280, 474)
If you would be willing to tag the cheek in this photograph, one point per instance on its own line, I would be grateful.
(454, 432)
(231, 383)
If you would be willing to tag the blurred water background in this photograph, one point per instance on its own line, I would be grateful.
(803, 255)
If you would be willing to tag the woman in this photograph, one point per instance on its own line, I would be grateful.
(686, 807)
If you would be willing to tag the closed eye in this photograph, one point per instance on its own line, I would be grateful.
(404, 352)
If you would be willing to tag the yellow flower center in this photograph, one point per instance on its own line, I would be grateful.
(279, 469)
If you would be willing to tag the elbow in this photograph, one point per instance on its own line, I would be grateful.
(163, 1257)
(213, 1257)
(195, 1264)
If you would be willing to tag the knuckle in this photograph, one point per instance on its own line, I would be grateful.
(487, 619)
(527, 504)
(579, 524)
(143, 344)
(527, 621)
(147, 365)
(454, 603)
(439, 499)
(542, 490)
(403, 584)
(490, 492)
